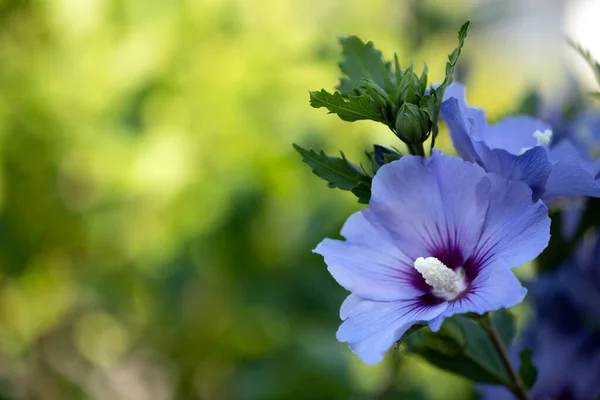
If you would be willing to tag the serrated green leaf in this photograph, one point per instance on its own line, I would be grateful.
(527, 370)
(351, 108)
(595, 65)
(363, 192)
(338, 172)
(504, 322)
(362, 61)
(453, 59)
(438, 93)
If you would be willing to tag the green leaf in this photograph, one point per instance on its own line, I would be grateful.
(362, 61)
(504, 322)
(453, 59)
(595, 65)
(363, 192)
(352, 108)
(438, 93)
(338, 172)
(595, 95)
(527, 371)
(461, 347)
(417, 326)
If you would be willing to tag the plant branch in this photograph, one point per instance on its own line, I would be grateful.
(517, 386)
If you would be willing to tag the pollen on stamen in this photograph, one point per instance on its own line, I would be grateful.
(542, 138)
(445, 282)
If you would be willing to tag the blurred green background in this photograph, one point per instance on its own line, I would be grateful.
(155, 223)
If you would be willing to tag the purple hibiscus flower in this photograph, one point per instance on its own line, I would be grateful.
(519, 148)
(439, 238)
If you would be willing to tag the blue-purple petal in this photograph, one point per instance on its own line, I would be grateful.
(415, 198)
(531, 167)
(513, 134)
(494, 287)
(572, 174)
(516, 230)
(372, 327)
(369, 272)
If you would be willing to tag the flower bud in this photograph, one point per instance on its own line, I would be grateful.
(412, 124)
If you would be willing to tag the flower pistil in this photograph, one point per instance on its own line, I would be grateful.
(445, 282)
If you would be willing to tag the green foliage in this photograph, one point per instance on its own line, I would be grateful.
(362, 61)
(527, 371)
(371, 89)
(463, 347)
(338, 172)
(350, 108)
(434, 102)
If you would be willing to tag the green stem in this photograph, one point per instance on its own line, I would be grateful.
(516, 385)
(416, 149)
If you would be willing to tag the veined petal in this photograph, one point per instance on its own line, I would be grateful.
(372, 327)
(494, 287)
(516, 230)
(368, 272)
(531, 167)
(417, 201)
(572, 174)
(464, 123)
(460, 129)
(569, 178)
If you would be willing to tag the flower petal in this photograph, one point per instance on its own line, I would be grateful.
(531, 167)
(513, 134)
(417, 201)
(372, 327)
(464, 123)
(495, 287)
(572, 174)
(516, 230)
(369, 262)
